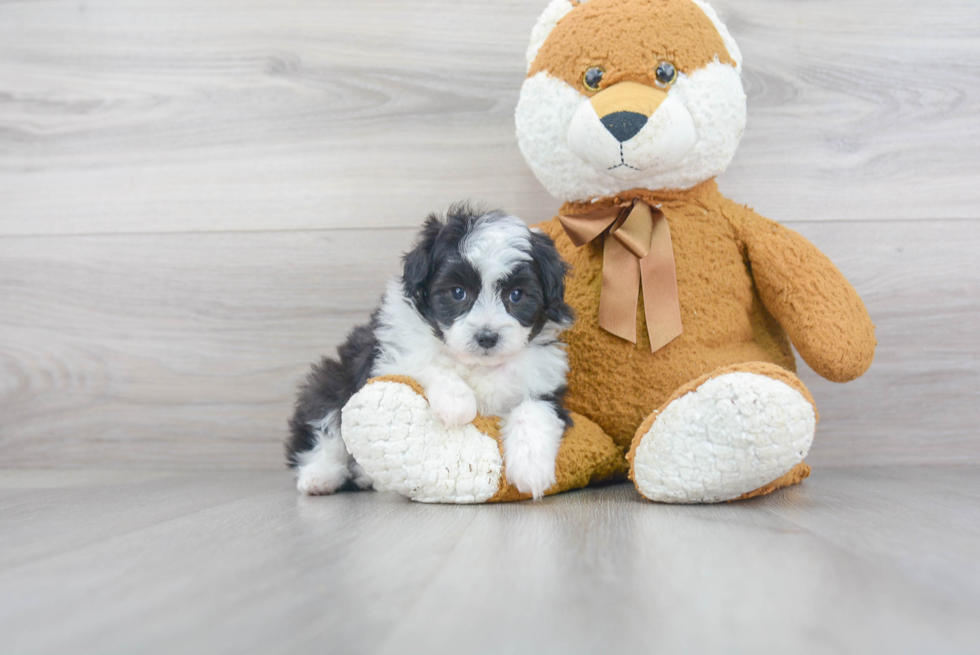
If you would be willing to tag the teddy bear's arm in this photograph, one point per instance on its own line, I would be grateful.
(813, 301)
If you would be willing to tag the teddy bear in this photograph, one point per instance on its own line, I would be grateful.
(682, 373)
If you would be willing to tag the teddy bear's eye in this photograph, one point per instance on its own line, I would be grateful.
(592, 78)
(666, 74)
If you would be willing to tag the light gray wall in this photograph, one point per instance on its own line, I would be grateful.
(198, 198)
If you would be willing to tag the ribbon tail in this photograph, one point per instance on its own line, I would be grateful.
(661, 302)
(620, 287)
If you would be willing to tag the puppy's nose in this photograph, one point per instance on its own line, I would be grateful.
(487, 338)
(624, 125)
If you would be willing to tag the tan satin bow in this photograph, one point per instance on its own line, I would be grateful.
(636, 246)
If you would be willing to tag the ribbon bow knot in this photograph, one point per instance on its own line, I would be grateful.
(636, 247)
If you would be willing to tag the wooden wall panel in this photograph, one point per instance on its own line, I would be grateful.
(172, 350)
(920, 401)
(184, 350)
(228, 115)
(197, 198)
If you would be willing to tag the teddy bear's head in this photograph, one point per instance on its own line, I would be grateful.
(627, 94)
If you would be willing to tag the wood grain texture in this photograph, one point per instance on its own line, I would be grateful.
(198, 199)
(579, 578)
(855, 560)
(184, 350)
(121, 502)
(221, 115)
(262, 571)
(921, 396)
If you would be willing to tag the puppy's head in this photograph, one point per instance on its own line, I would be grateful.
(626, 94)
(486, 284)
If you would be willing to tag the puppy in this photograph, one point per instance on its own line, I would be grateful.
(475, 320)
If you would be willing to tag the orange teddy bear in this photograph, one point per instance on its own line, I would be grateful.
(682, 374)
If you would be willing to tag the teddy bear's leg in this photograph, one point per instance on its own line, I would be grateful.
(393, 435)
(738, 432)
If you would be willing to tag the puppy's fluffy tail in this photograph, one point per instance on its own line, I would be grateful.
(328, 387)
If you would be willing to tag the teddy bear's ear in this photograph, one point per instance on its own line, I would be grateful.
(552, 270)
(554, 12)
(417, 263)
(723, 32)
(558, 9)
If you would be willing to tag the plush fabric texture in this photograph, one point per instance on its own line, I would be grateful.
(397, 441)
(553, 13)
(719, 409)
(728, 316)
(726, 37)
(587, 457)
(736, 272)
(628, 39)
(772, 442)
(547, 107)
(393, 435)
(729, 325)
(797, 474)
(731, 435)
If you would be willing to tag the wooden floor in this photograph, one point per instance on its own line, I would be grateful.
(856, 560)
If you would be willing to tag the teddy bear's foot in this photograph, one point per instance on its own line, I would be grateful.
(396, 439)
(731, 435)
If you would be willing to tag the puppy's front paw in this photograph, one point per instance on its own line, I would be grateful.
(529, 472)
(453, 403)
(532, 435)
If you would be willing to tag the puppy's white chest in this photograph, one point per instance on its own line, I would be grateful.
(498, 390)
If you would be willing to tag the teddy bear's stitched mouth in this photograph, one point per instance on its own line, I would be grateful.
(622, 162)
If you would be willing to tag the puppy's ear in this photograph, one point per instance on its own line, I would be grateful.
(418, 263)
(552, 270)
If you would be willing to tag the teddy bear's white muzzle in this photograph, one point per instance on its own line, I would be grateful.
(618, 146)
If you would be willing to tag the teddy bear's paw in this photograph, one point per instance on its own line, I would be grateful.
(452, 402)
(532, 434)
(400, 445)
(734, 433)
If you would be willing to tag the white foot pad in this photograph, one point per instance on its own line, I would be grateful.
(393, 435)
(731, 435)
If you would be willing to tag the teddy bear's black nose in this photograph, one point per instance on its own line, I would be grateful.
(624, 125)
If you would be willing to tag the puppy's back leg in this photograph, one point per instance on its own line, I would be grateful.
(326, 466)
(360, 478)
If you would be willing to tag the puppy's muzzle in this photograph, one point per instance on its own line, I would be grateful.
(487, 339)
(625, 108)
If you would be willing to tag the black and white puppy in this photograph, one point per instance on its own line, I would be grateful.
(474, 319)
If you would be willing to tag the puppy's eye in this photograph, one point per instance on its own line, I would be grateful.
(592, 78)
(666, 74)
(458, 294)
(516, 295)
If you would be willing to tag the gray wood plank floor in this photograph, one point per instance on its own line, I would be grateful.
(855, 560)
